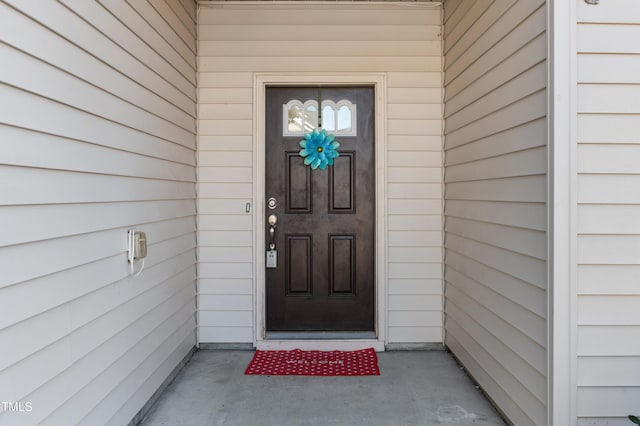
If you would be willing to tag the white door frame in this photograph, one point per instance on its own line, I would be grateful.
(261, 81)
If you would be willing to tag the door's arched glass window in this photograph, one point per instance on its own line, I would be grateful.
(294, 119)
(328, 118)
(344, 119)
(310, 118)
(338, 118)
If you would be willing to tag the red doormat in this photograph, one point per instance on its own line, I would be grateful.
(314, 363)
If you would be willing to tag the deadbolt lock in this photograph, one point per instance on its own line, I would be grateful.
(272, 203)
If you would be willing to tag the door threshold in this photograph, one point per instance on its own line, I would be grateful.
(319, 335)
(327, 344)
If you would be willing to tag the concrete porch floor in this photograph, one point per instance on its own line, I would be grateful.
(414, 388)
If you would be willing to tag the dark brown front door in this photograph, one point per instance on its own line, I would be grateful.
(323, 279)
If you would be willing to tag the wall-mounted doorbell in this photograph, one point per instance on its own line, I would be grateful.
(137, 249)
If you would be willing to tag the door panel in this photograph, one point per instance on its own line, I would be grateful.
(325, 233)
(298, 265)
(342, 184)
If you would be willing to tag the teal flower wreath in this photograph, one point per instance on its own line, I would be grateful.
(319, 149)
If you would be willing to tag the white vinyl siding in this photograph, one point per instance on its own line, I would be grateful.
(239, 40)
(495, 75)
(97, 134)
(608, 212)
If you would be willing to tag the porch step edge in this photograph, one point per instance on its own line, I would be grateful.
(416, 347)
(226, 346)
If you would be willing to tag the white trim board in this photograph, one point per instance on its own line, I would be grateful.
(562, 213)
(261, 81)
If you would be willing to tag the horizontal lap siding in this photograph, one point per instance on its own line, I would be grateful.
(404, 42)
(414, 189)
(97, 134)
(608, 212)
(495, 199)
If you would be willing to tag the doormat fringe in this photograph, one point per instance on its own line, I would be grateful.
(362, 362)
